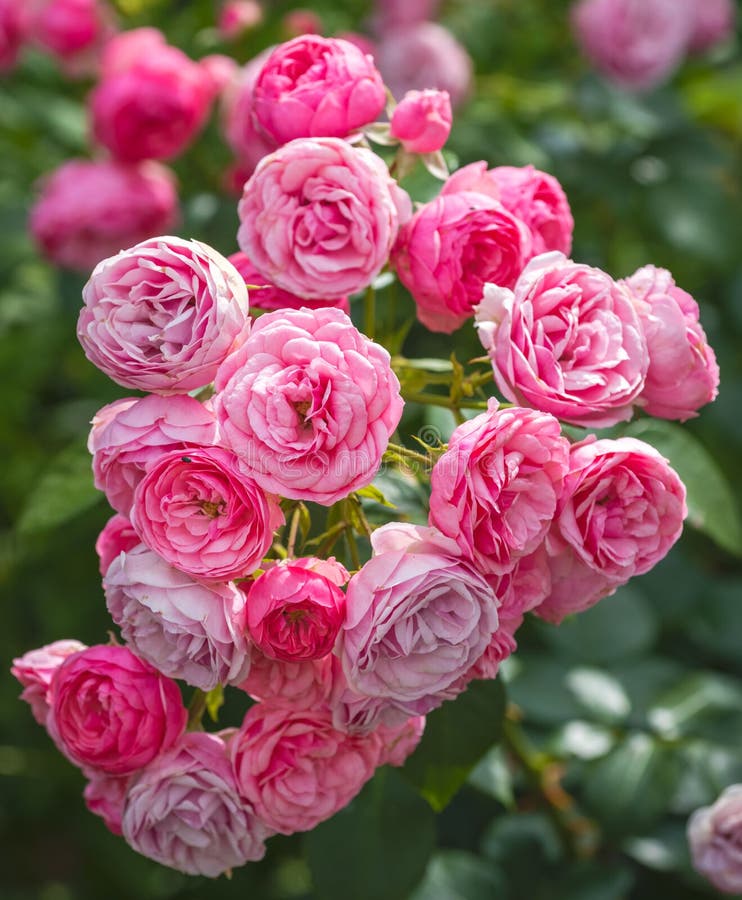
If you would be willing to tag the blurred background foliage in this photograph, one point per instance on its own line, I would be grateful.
(624, 719)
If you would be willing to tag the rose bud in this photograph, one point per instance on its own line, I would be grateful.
(422, 121)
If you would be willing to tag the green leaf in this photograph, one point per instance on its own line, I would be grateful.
(458, 875)
(377, 847)
(688, 706)
(214, 702)
(373, 493)
(456, 737)
(716, 624)
(600, 694)
(492, 775)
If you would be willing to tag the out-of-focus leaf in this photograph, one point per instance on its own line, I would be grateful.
(594, 881)
(600, 694)
(522, 840)
(683, 709)
(664, 849)
(707, 770)
(539, 687)
(457, 875)
(716, 623)
(493, 776)
(585, 740)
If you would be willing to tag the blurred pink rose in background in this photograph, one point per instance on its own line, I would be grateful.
(715, 839)
(390, 15)
(74, 31)
(238, 16)
(713, 23)
(15, 24)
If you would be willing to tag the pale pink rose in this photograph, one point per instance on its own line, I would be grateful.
(357, 713)
(308, 404)
(118, 536)
(184, 811)
(221, 70)
(495, 490)
(87, 211)
(35, 671)
(295, 769)
(15, 24)
(112, 712)
(74, 31)
(163, 315)
(314, 86)
(713, 23)
(183, 627)
(299, 22)
(450, 248)
(397, 743)
(567, 340)
(715, 839)
(390, 15)
(304, 684)
(104, 796)
(683, 374)
(238, 16)
(501, 646)
(422, 121)
(622, 509)
(637, 44)
(201, 514)
(418, 617)
(424, 55)
(319, 217)
(294, 612)
(130, 434)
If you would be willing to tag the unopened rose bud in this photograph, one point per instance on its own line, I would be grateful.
(422, 121)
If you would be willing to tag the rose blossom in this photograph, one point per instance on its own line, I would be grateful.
(113, 712)
(36, 669)
(125, 49)
(199, 512)
(622, 509)
(183, 811)
(422, 121)
(304, 684)
(399, 742)
(319, 217)
(713, 23)
(683, 374)
(314, 86)
(523, 588)
(418, 617)
(118, 536)
(221, 70)
(295, 769)
(72, 30)
(15, 23)
(298, 22)
(163, 315)
(391, 14)
(567, 340)
(104, 796)
(87, 210)
(309, 404)
(130, 434)
(501, 646)
(715, 839)
(238, 16)
(495, 490)
(450, 248)
(183, 627)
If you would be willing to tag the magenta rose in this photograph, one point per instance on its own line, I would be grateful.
(303, 684)
(15, 24)
(118, 536)
(319, 217)
(183, 811)
(421, 121)
(683, 374)
(35, 670)
(163, 315)
(715, 839)
(112, 712)
(125, 49)
(314, 86)
(713, 23)
(453, 246)
(308, 404)
(105, 796)
(495, 490)
(567, 340)
(238, 16)
(73, 30)
(88, 211)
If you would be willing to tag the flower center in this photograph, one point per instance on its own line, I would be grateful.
(211, 508)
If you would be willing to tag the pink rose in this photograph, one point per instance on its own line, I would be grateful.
(88, 211)
(314, 86)
(124, 50)
(163, 315)
(495, 490)
(525, 587)
(319, 217)
(295, 769)
(199, 512)
(683, 374)
(501, 646)
(303, 684)
(399, 742)
(635, 43)
(247, 141)
(73, 30)
(36, 669)
(298, 22)
(238, 16)
(15, 24)
(713, 23)
(105, 796)
(113, 712)
(391, 14)
(184, 812)
(715, 839)
(418, 617)
(294, 612)
(567, 340)
(622, 509)
(422, 121)
(130, 434)
(118, 536)
(450, 248)
(308, 404)
(221, 71)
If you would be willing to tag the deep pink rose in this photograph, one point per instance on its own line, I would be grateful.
(15, 23)
(124, 50)
(118, 536)
(130, 434)
(294, 612)
(113, 712)
(622, 509)
(104, 796)
(305, 684)
(495, 490)
(308, 404)
(183, 627)
(400, 741)
(319, 217)
(88, 211)
(238, 16)
(422, 121)
(683, 374)
(715, 839)
(184, 811)
(418, 617)
(390, 15)
(295, 769)
(567, 340)
(73, 30)
(713, 23)
(199, 512)
(163, 315)
(36, 669)
(249, 143)
(314, 86)
(635, 43)
(451, 247)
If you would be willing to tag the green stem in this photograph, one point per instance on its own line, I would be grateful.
(331, 538)
(196, 710)
(293, 531)
(353, 547)
(369, 312)
(446, 402)
(407, 454)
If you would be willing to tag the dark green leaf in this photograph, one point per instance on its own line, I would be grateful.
(600, 694)
(685, 707)
(457, 875)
